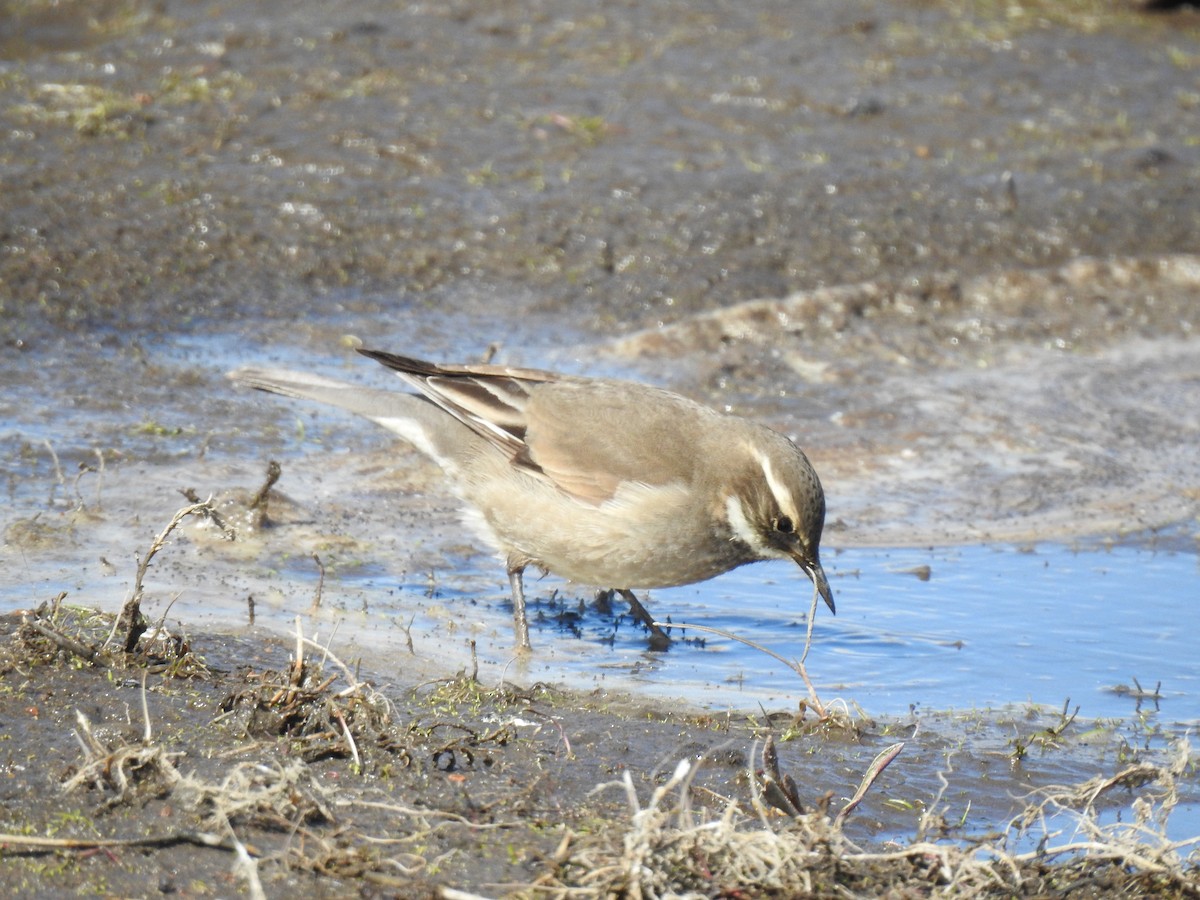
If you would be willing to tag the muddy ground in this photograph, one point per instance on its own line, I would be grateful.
(1003, 188)
(201, 766)
(190, 165)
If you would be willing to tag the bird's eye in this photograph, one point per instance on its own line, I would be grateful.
(783, 525)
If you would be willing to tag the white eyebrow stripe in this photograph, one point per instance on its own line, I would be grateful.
(783, 496)
(735, 514)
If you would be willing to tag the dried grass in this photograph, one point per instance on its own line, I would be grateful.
(669, 851)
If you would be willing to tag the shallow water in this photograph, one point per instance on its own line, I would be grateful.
(918, 628)
(991, 627)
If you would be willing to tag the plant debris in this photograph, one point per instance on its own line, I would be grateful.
(301, 772)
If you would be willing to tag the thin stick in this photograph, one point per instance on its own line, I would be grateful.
(245, 863)
(874, 770)
(812, 619)
(354, 682)
(67, 643)
(316, 604)
(259, 502)
(99, 474)
(296, 676)
(797, 667)
(159, 626)
(337, 714)
(421, 813)
(58, 472)
(165, 840)
(145, 711)
(408, 634)
(131, 615)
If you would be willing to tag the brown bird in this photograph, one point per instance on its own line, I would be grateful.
(607, 483)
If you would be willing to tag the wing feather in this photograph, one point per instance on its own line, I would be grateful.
(588, 437)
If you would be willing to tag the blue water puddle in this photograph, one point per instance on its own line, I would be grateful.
(991, 626)
(994, 626)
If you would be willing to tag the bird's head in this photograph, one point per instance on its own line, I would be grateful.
(777, 507)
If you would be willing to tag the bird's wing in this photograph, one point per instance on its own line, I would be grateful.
(490, 400)
(579, 434)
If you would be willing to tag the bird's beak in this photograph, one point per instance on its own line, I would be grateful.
(812, 568)
(817, 574)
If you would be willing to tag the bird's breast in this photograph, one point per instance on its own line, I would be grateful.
(645, 536)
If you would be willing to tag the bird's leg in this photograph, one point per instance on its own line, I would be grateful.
(658, 637)
(520, 622)
(603, 602)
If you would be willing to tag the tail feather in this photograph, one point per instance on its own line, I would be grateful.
(369, 402)
(416, 419)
